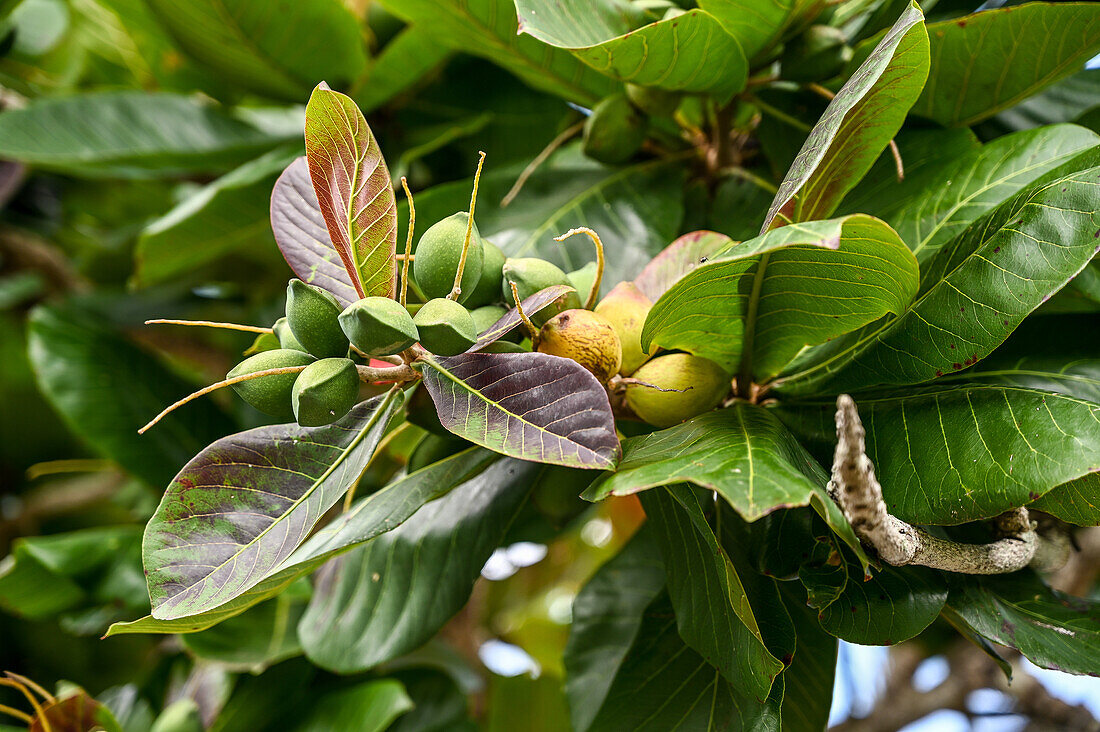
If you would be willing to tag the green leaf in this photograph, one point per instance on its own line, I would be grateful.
(991, 60)
(369, 517)
(858, 123)
(130, 134)
(246, 502)
(371, 706)
(392, 594)
(676, 260)
(268, 52)
(353, 188)
(691, 52)
(1076, 502)
(712, 610)
(759, 303)
(530, 406)
(230, 213)
(105, 388)
(808, 687)
(754, 24)
(956, 453)
(1052, 630)
(538, 302)
(406, 60)
(489, 29)
(975, 291)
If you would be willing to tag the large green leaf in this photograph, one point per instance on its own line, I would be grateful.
(975, 291)
(370, 706)
(353, 188)
(691, 52)
(1076, 502)
(268, 50)
(1051, 629)
(951, 454)
(488, 28)
(391, 595)
(246, 502)
(133, 134)
(105, 388)
(808, 687)
(754, 23)
(531, 406)
(369, 517)
(757, 304)
(231, 212)
(991, 60)
(858, 123)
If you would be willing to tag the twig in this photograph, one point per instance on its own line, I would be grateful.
(18, 714)
(457, 289)
(408, 241)
(389, 374)
(210, 324)
(532, 331)
(594, 291)
(547, 151)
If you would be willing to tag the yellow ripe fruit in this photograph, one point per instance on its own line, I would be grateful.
(587, 338)
(692, 385)
(626, 308)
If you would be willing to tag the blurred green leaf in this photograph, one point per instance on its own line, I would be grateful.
(808, 687)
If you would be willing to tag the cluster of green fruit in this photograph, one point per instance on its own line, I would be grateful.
(618, 124)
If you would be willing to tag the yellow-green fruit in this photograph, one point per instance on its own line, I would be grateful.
(653, 101)
(485, 316)
(693, 385)
(626, 308)
(820, 53)
(286, 339)
(531, 275)
(378, 326)
(614, 131)
(582, 280)
(438, 254)
(325, 391)
(270, 394)
(587, 338)
(488, 286)
(313, 316)
(446, 328)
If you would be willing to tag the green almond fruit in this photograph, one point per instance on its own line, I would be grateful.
(378, 326)
(614, 131)
(325, 391)
(485, 316)
(270, 394)
(670, 389)
(263, 342)
(582, 280)
(653, 101)
(281, 330)
(446, 328)
(313, 316)
(437, 256)
(488, 287)
(532, 275)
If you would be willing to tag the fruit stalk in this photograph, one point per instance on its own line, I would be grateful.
(594, 291)
(408, 241)
(457, 289)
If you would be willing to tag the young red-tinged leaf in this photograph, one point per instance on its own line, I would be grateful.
(354, 190)
(677, 259)
(531, 305)
(531, 406)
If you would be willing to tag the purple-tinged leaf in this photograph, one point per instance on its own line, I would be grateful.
(531, 406)
(302, 236)
(246, 502)
(677, 259)
(354, 190)
(531, 305)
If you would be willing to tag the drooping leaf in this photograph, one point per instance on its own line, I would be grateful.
(761, 302)
(392, 594)
(371, 706)
(691, 52)
(353, 188)
(105, 388)
(246, 502)
(302, 236)
(1076, 502)
(678, 259)
(130, 134)
(808, 687)
(858, 123)
(991, 60)
(531, 305)
(531, 406)
(975, 291)
(264, 51)
(1051, 629)
(956, 453)
(755, 25)
(224, 215)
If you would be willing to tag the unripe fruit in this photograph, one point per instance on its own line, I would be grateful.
(626, 308)
(270, 394)
(695, 385)
(820, 53)
(434, 448)
(446, 328)
(313, 316)
(614, 131)
(438, 254)
(587, 338)
(488, 286)
(325, 391)
(263, 342)
(531, 275)
(281, 330)
(378, 326)
(485, 316)
(582, 280)
(653, 101)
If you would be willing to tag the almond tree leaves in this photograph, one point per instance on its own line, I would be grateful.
(989, 61)
(754, 23)
(677, 259)
(245, 503)
(531, 406)
(858, 123)
(531, 305)
(302, 235)
(353, 188)
(1076, 502)
(764, 300)
(691, 52)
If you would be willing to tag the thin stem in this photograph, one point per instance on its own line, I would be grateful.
(408, 241)
(30, 697)
(898, 164)
(547, 151)
(47, 696)
(210, 324)
(457, 289)
(821, 91)
(532, 331)
(780, 115)
(594, 291)
(17, 713)
(737, 171)
(744, 371)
